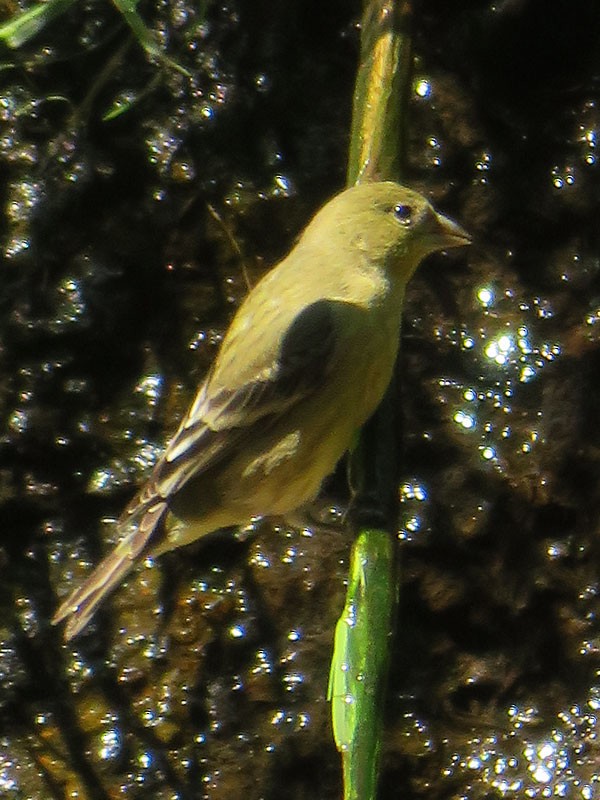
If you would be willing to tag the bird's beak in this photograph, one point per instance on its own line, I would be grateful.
(449, 234)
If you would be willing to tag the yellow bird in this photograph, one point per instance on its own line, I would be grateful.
(304, 363)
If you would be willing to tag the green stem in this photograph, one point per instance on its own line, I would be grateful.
(361, 646)
(381, 93)
(363, 633)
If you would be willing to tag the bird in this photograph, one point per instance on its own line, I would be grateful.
(304, 363)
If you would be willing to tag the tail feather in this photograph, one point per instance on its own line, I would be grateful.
(81, 604)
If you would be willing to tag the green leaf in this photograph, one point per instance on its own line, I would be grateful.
(144, 35)
(23, 27)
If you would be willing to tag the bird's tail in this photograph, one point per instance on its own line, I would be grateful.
(82, 603)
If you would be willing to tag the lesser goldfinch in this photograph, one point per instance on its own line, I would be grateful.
(304, 363)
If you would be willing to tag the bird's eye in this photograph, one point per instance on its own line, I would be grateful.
(403, 214)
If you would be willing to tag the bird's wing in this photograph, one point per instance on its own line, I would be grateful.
(222, 418)
(219, 421)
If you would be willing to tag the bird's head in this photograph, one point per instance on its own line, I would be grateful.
(391, 224)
